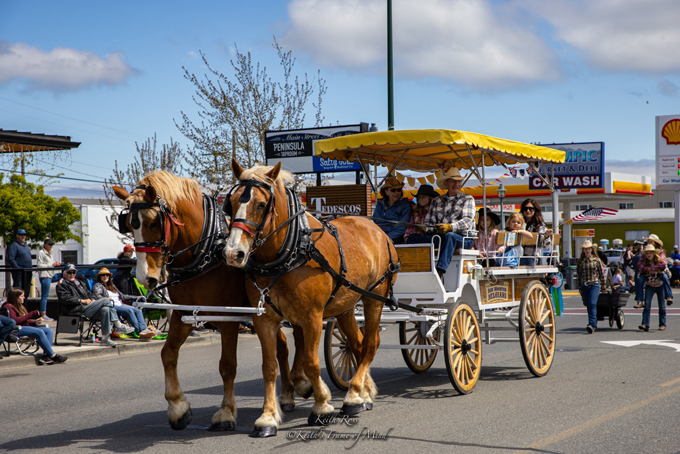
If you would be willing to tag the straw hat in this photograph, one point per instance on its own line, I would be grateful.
(587, 244)
(392, 182)
(654, 238)
(650, 247)
(453, 173)
(104, 271)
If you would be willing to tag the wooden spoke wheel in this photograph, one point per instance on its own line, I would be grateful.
(413, 333)
(463, 347)
(340, 362)
(537, 328)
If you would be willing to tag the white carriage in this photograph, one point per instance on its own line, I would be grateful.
(476, 303)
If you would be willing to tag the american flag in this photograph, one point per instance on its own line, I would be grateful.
(593, 214)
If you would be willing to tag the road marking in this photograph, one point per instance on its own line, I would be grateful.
(602, 419)
(671, 383)
(662, 343)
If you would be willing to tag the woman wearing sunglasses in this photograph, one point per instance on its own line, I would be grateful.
(531, 211)
(393, 207)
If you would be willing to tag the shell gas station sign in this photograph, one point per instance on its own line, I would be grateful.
(668, 152)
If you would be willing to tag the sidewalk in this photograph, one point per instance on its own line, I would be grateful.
(68, 346)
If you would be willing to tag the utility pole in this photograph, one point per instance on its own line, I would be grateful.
(390, 85)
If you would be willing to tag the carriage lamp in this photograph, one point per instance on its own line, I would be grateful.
(501, 196)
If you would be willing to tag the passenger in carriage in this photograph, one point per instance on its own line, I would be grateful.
(533, 216)
(453, 214)
(393, 207)
(424, 197)
(510, 255)
(485, 242)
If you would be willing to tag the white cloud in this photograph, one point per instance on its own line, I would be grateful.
(61, 69)
(616, 35)
(459, 40)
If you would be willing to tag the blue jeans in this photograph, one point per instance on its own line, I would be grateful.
(589, 295)
(101, 309)
(6, 326)
(649, 296)
(450, 242)
(44, 335)
(640, 287)
(133, 315)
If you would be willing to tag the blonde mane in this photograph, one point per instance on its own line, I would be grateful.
(171, 188)
(258, 173)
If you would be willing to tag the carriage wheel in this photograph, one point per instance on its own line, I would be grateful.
(537, 328)
(463, 344)
(340, 362)
(620, 319)
(411, 333)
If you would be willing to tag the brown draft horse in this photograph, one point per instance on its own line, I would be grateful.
(222, 286)
(301, 295)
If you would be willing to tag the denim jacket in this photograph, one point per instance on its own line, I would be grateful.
(400, 211)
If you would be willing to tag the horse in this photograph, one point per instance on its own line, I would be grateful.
(166, 213)
(354, 248)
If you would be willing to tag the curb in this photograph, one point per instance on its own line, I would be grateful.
(17, 361)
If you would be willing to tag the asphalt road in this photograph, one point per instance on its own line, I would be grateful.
(598, 397)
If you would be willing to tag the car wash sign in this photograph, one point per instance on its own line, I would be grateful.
(582, 168)
(294, 149)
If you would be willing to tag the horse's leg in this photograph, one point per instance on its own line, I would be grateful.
(322, 395)
(348, 324)
(225, 418)
(179, 410)
(267, 424)
(287, 397)
(302, 384)
(362, 389)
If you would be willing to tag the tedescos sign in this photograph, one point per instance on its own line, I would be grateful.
(583, 167)
(342, 200)
(294, 148)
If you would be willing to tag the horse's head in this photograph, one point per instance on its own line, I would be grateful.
(252, 206)
(150, 214)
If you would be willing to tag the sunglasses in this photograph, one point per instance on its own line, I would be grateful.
(393, 190)
(70, 272)
(528, 209)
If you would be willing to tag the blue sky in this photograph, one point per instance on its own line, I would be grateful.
(110, 73)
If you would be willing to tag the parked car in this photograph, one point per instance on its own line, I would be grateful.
(614, 256)
(91, 273)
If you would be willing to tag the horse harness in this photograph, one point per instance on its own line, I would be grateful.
(298, 248)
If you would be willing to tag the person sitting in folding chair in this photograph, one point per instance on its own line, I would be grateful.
(6, 327)
(30, 324)
(72, 291)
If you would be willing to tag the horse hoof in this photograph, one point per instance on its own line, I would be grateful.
(353, 410)
(368, 406)
(319, 420)
(221, 426)
(182, 422)
(263, 432)
(287, 408)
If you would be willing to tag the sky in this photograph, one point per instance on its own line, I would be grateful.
(110, 74)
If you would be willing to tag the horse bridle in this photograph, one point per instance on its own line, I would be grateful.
(253, 229)
(163, 211)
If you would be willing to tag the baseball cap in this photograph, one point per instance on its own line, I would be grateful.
(48, 241)
(21, 232)
(70, 267)
(128, 248)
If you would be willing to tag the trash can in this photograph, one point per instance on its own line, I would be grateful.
(570, 278)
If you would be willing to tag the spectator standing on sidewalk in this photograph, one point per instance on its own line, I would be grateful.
(73, 291)
(31, 325)
(45, 260)
(19, 256)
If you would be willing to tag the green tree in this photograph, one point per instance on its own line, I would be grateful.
(149, 158)
(25, 205)
(236, 111)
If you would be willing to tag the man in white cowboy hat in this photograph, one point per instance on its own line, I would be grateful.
(453, 214)
(655, 241)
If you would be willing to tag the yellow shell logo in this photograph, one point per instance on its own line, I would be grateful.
(671, 132)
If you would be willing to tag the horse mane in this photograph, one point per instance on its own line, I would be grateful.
(171, 188)
(258, 173)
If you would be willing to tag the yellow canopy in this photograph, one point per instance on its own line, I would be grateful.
(429, 150)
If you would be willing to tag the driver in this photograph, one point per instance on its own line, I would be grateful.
(454, 214)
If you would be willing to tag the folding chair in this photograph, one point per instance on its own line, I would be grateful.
(72, 321)
(23, 345)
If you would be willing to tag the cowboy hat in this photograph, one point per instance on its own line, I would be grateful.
(654, 238)
(493, 216)
(426, 189)
(453, 173)
(587, 244)
(650, 247)
(392, 182)
(104, 271)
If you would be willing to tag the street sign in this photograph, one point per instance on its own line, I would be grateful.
(583, 167)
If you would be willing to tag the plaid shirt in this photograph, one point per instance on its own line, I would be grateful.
(653, 272)
(459, 211)
(590, 272)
